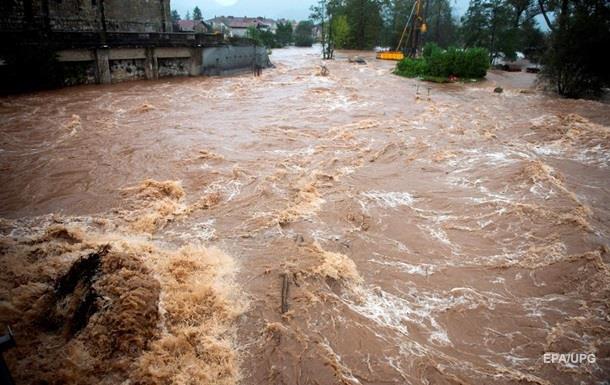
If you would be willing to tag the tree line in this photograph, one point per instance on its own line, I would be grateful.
(567, 44)
(197, 15)
(565, 36)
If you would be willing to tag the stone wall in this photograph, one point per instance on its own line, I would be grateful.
(127, 69)
(174, 67)
(81, 72)
(86, 15)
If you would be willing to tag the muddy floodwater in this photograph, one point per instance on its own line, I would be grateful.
(355, 228)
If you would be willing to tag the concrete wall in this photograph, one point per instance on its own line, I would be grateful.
(219, 60)
(86, 15)
(112, 65)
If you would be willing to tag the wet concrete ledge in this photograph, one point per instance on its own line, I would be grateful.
(104, 58)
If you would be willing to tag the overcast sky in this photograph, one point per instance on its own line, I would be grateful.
(289, 9)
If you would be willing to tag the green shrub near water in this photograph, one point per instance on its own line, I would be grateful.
(411, 67)
(437, 64)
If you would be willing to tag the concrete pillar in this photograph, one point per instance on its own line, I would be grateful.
(151, 65)
(102, 66)
(196, 62)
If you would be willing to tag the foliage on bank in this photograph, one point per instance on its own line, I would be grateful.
(303, 34)
(262, 37)
(573, 65)
(440, 65)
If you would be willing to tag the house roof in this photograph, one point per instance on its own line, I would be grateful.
(243, 22)
(189, 25)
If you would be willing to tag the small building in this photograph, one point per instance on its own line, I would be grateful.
(238, 26)
(192, 26)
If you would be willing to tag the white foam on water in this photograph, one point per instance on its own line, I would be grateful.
(596, 156)
(308, 151)
(229, 189)
(542, 191)
(547, 150)
(390, 199)
(416, 307)
(347, 170)
(436, 233)
(205, 230)
(423, 269)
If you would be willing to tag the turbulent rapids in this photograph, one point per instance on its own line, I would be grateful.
(354, 228)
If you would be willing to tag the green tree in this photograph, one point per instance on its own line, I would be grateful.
(341, 31)
(487, 23)
(188, 15)
(323, 14)
(175, 16)
(395, 14)
(262, 37)
(442, 27)
(303, 34)
(580, 31)
(533, 42)
(197, 15)
(364, 19)
(283, 33)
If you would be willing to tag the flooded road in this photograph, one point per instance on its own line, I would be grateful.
(355, 228)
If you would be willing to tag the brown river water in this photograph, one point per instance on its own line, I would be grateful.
(355, 228)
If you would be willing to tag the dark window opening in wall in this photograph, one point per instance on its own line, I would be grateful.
(94, 3)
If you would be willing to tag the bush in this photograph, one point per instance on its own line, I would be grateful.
(262, 37)
(303, 34)
(429, 48)
(476, 63)
(437, 63)
(411, 68)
